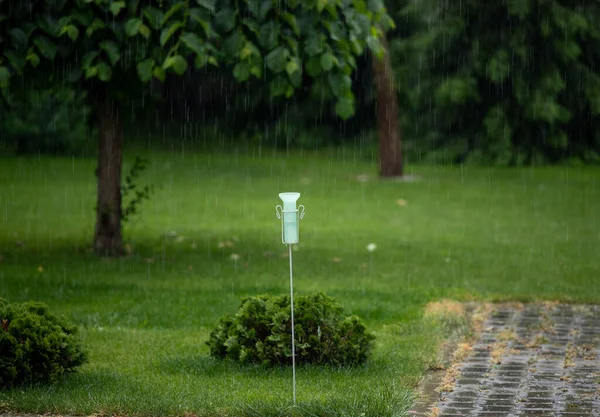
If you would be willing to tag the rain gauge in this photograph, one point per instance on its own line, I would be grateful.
(290, 216)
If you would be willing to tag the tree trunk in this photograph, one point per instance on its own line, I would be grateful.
(107, 237)
(390, 156)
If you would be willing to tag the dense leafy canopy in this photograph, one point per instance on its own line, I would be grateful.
(508, 82)
(102, 40)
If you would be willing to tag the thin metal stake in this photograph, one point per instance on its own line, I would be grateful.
(293, 342)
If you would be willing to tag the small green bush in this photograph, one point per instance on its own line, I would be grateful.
(260, 332)
(35, 345)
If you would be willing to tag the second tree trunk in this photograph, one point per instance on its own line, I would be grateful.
(390, 157)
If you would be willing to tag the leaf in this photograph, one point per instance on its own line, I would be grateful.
(203, 18)
(293, 44)
(336, 31)
(340, 84)
(457, 90)
(265, 7)
(180, 65)
(112, 51)
(321, 5)
(233, 44)
(16, 61)
(194, 42)
(268, 35)
(344, 107)
(177, 62)
(132, 27)
(248, 50)
(166, 33)
(88, 58)
(159, 73)
(91, 72)
(144, 69)
(104, 71)
(327, 60)
(33, 58)
(259, 9)
(83, 17)
(290, 19)
(72, 32)
(357, 48)
(154, 17)
(498, 66)
(313, 44)
(256, 67)
(225, 20)
(387, 23)
(174, 9)
(294, 71)
(276, 59)
(46, 47)
(313, 66)
(200, 61)
(29, 28)
(241, 71)
(332, 9)
(144, 31)
(375, 46)
(207, 4)
(254, 7)
(278, 86)
(19, 38)
(292, 66)
(115, 8)
(375, 6)
(96, 24)
(4, 77)
(48, 24)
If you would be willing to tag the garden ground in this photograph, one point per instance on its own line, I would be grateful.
(457, 232)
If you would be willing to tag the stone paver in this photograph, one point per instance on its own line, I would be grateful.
(539, 360)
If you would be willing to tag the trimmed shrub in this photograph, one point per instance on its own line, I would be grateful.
(260, 332)
(35, 344)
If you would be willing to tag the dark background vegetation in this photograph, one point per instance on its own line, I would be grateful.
(504, 83)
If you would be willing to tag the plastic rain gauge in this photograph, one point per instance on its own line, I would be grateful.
(290, 216)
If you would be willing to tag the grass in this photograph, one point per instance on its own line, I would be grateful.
(459, 232)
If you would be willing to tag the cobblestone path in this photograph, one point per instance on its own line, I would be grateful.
(534, 361)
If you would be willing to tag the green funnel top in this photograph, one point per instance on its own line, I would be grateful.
(289, 200)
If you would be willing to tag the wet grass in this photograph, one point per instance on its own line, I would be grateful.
(458, 232)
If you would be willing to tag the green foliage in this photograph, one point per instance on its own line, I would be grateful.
(100, 40)
(513, 82)
(35, 344)
(47, 120)
(260, 332)
(134, 195)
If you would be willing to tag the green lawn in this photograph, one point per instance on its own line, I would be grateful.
(463, 233)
